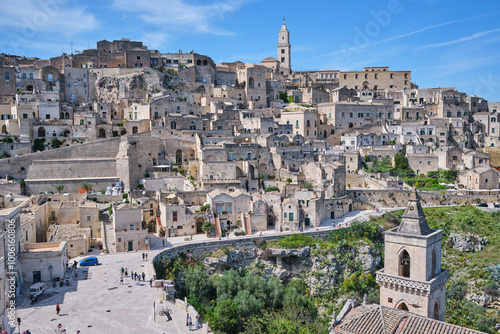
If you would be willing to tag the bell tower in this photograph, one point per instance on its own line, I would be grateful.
(284, 49)
(413, 279)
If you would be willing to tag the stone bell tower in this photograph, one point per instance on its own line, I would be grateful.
(413, 279)
(284, 49)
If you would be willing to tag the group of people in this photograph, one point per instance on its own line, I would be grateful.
(135, 276)
(144, 256)
(189, 322)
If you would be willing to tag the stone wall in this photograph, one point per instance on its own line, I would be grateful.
(398, 198)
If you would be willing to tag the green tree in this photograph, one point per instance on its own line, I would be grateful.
(87, 187)
(225, 317)
(60, 188)
(401, 162)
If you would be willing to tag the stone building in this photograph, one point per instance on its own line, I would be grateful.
(130, 232)
(41, 262)
(413, 279)
(481, 178)
(375, 78)
(303, 119)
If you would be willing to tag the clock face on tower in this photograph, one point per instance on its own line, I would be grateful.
(411, 208)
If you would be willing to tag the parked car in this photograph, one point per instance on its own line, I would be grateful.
(89, 261)
(482, 205)
(496, 205)
(36, 290)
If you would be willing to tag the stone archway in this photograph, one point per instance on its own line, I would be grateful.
(199, 224)
(135, 129)
(102, 133)
(41, 132)
(178, 156)
(4, 128)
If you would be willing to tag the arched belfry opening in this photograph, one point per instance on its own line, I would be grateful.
(404, 264)
(436, 311)
(403, 307)
(434, 264)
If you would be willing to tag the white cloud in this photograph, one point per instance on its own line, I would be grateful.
(460, 40)
(33, 18)
(180, 15)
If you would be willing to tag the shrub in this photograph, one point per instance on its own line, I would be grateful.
(269, 189)
(56, 143)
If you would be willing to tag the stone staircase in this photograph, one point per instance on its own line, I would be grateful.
(108, 235)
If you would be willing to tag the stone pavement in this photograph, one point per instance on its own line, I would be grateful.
(95, 302)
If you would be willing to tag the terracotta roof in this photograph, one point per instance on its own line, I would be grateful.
(376, 319)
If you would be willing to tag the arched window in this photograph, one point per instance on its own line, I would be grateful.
(436, 311)
(404, 264)
(434, 263)
(205, 62)
(173, 125)
(493, 120)
(198, 62)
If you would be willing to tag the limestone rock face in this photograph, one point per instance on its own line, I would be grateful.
(234, 259)
(322, 274)
(467, 243)
(131, 86)
(369, 260)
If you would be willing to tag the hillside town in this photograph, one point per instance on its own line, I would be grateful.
(119, 149)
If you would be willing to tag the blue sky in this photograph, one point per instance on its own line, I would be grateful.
(443, 42)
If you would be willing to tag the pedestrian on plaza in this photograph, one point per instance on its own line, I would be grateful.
(227, 235)
(190, 322)
(260, 233)
(187, 319)
(126, 272)
(121, 279)
(131, 274)
(75, 271)
(197, 322)
(163, 242)
(58, 309)
(143, 256)
(150, 282)
(143, 277)
(146, 256)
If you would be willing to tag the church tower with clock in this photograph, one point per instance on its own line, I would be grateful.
(413, 279)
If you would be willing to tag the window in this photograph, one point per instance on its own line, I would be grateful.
(290, 216)
(297, 124)
(132, 227)
(284, 215)
(25, 116)
(89, 218)
(84, 84)
(308, 123)
(47, 116)
(138, 57)
(49, 77)
(188, 78)
(174, 216)
(7, 76)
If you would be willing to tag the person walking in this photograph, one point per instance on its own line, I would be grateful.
(58, 309)
(146, 256)
(131, 274)
(121, 280)
(187, 319)
(197, 322)
(190, 321)
(143, 277)
(143, 256)
(163, 242)
(122, 270)
(126, 272)
(150, 282)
